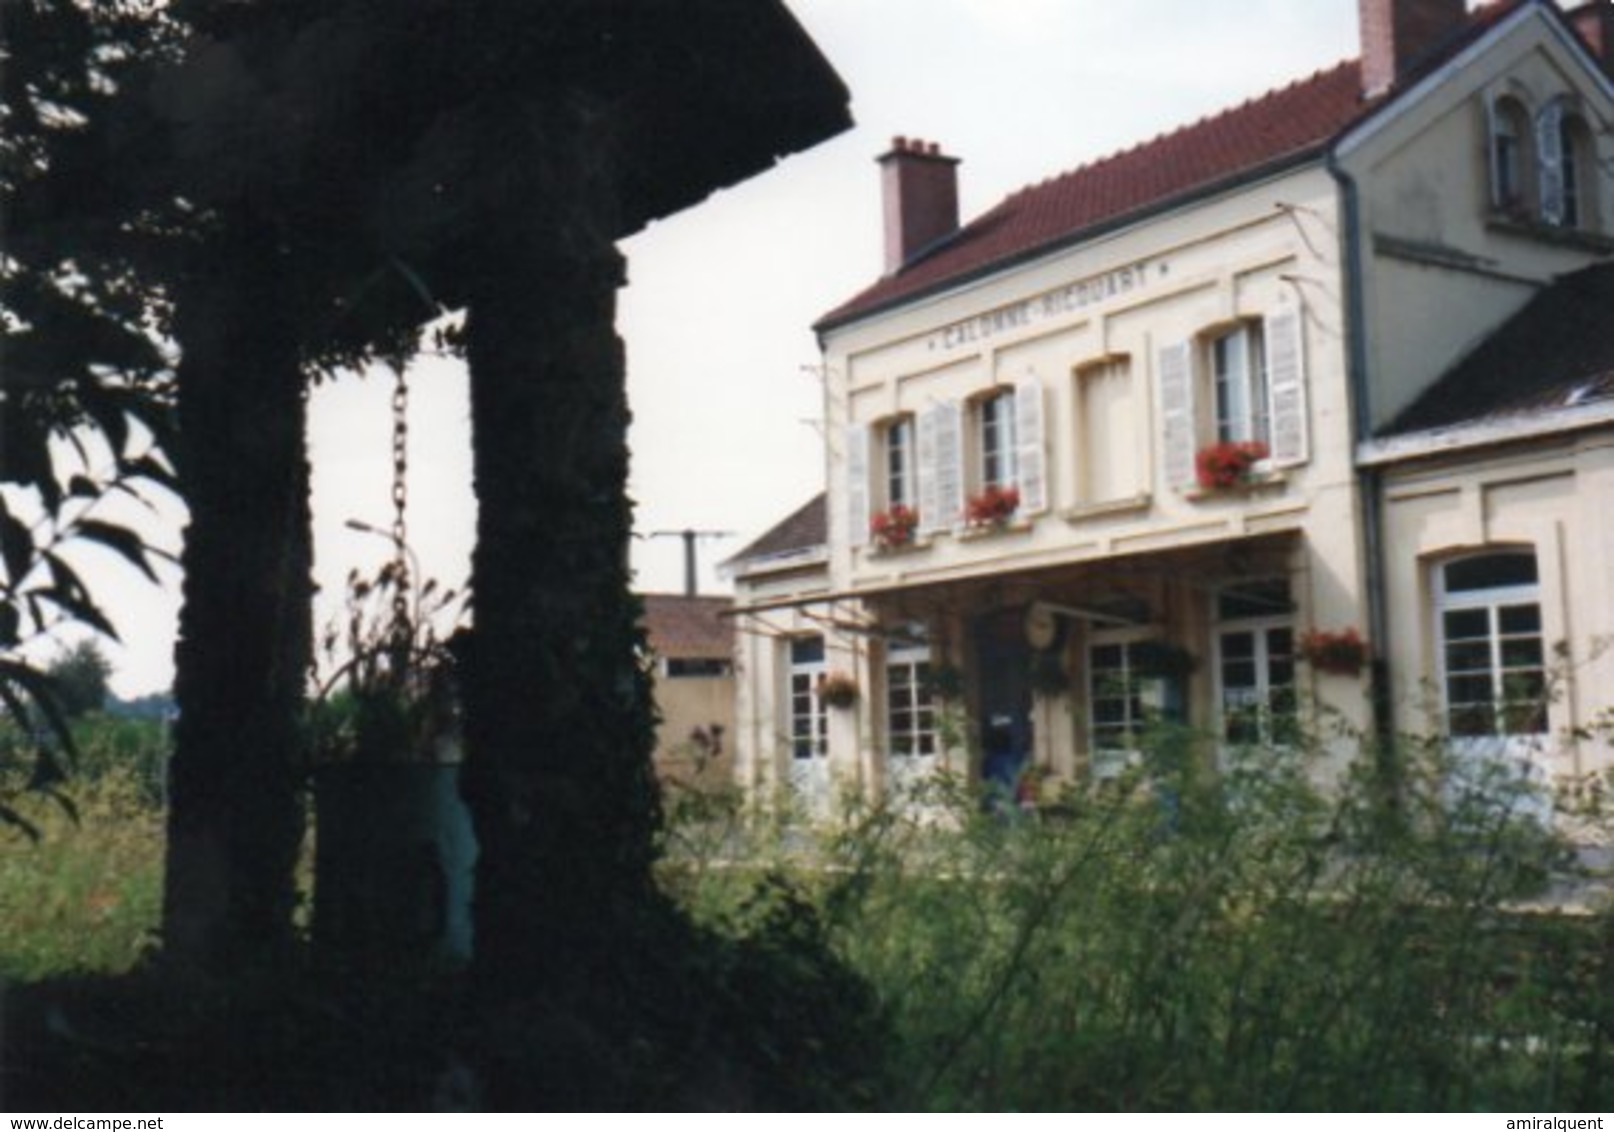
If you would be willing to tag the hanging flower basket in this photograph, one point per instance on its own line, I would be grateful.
(1228, 464)
(1341, 652)
(837, 689)
(945, 681)
(894, 528)
(992, 506)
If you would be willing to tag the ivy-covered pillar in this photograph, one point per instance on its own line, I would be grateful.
(559, 723)
(235, 813)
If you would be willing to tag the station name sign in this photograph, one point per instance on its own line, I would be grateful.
(1065, 300)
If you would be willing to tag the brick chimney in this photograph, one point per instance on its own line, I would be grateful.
(919, 186)
(1398, 34)
(1595, 24)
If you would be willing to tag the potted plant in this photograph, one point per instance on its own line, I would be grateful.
(945, 681)
(1228, 464)
(992, 506)
(1162, 659)
(837, 689)
(894, 528)
(1342, 652)
(394, 850)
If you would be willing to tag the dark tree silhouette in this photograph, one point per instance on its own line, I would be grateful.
(78, 366)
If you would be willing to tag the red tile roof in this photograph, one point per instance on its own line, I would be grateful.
(688, 627)
(1277, 129)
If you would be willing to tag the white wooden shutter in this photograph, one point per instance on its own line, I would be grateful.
(947, 468)
(1175, 371)
(1030, 455)
(925, 496)
(857, 484)
(1286, 388)
(1549, 161)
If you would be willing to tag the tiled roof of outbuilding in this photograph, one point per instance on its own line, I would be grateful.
(1267, 133)
(692, 627)
(1556, 353)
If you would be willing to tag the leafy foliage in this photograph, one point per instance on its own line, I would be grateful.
(80, 676)
(1184, 941)
(85, 392)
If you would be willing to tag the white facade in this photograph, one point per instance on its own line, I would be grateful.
(1047, 415)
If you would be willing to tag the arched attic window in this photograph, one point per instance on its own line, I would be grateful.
(1510, 156)
(1564, 149)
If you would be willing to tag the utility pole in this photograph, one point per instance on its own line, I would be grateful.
(691, 583)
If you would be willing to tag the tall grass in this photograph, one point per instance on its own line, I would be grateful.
(85, 895)
(1188, 941)
(1178, 940)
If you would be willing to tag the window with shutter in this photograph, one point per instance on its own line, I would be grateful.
(897, 463)
(1509, 141)
(1174, 370)
(1239, 378)
(1288, 426)
(995, 439)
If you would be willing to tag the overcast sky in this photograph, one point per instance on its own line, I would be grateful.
(717, 315)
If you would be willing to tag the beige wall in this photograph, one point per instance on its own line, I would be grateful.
(1554, 499)
(1268, 248)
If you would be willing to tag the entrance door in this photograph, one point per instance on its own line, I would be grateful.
(1493, 677)
(809, 731)
(1003, 665)
(912, 743)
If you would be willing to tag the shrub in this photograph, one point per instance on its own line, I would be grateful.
(86, 895)
(1186, 940)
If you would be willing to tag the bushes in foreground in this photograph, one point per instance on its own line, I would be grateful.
(1175, 941)
(1184, 941)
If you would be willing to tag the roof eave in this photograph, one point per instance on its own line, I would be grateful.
(1485, 432)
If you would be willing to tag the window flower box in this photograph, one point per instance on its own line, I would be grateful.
(992, 506)
(837, 689)
(1341, 652)
(895, 527)
(1228, 464)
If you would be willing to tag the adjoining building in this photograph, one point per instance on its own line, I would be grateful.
(1307, 403)
(691, 642)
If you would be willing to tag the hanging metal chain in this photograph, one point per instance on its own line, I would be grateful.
(400, 507)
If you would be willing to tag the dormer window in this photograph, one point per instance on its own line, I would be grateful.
(1510, 133)
(1541, 161)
